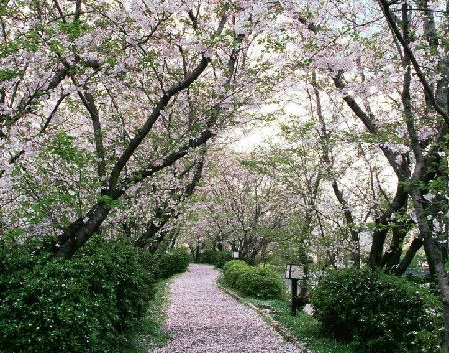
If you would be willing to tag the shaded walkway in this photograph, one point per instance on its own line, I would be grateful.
(202, 319)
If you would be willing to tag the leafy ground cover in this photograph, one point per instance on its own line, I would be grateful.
(151, 333)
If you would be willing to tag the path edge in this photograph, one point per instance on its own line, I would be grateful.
(164, 309)
(281, 330)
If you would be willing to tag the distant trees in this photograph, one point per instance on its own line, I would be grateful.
(236, 208)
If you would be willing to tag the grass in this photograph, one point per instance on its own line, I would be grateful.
(303, 326)
(151, 333)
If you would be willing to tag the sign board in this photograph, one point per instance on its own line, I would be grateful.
(294, 272)
(235, 254)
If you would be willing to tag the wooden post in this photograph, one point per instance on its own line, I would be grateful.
(294, 295)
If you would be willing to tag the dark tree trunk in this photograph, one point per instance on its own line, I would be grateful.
(392, 256)
(79, 232)
(382, 226)
(399, 270)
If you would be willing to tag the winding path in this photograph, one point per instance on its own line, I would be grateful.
(203, 319)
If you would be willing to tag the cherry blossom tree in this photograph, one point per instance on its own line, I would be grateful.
(399, 97)
(144, 85)
(236, 207)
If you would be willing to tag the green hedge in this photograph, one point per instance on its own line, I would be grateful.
(90, 303)
(261, 282)
(214, 257)
(379, 312)
(174, 261)
(232, 270)
(207, 256)
(258, 282)
(221, 258)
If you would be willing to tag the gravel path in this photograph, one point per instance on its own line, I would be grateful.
(203, 319)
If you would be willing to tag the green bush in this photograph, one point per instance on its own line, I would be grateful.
(261, 282)
(207, 256)
(90, 303)
(221, 257)
(174, 261)
(215, 257)
(379, 312)
(232, 270)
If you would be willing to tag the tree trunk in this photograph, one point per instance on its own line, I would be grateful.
(377, 246)
(392, 256)
(434, 254)
(399, 270)
(79, 232)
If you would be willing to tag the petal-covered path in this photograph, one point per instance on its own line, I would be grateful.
(203, 319)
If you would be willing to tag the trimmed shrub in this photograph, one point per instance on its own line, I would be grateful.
(175, 261)
(379, 312)
(215, 257)
(221, 257)
(232, 270)
(207, 256)
(90, 303)
(260, 282)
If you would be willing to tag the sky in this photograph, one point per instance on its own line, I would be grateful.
(261, 133)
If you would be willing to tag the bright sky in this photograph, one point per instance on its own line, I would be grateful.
(245, 139)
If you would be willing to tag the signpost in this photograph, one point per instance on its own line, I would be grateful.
(294, 273)
(235, 255)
